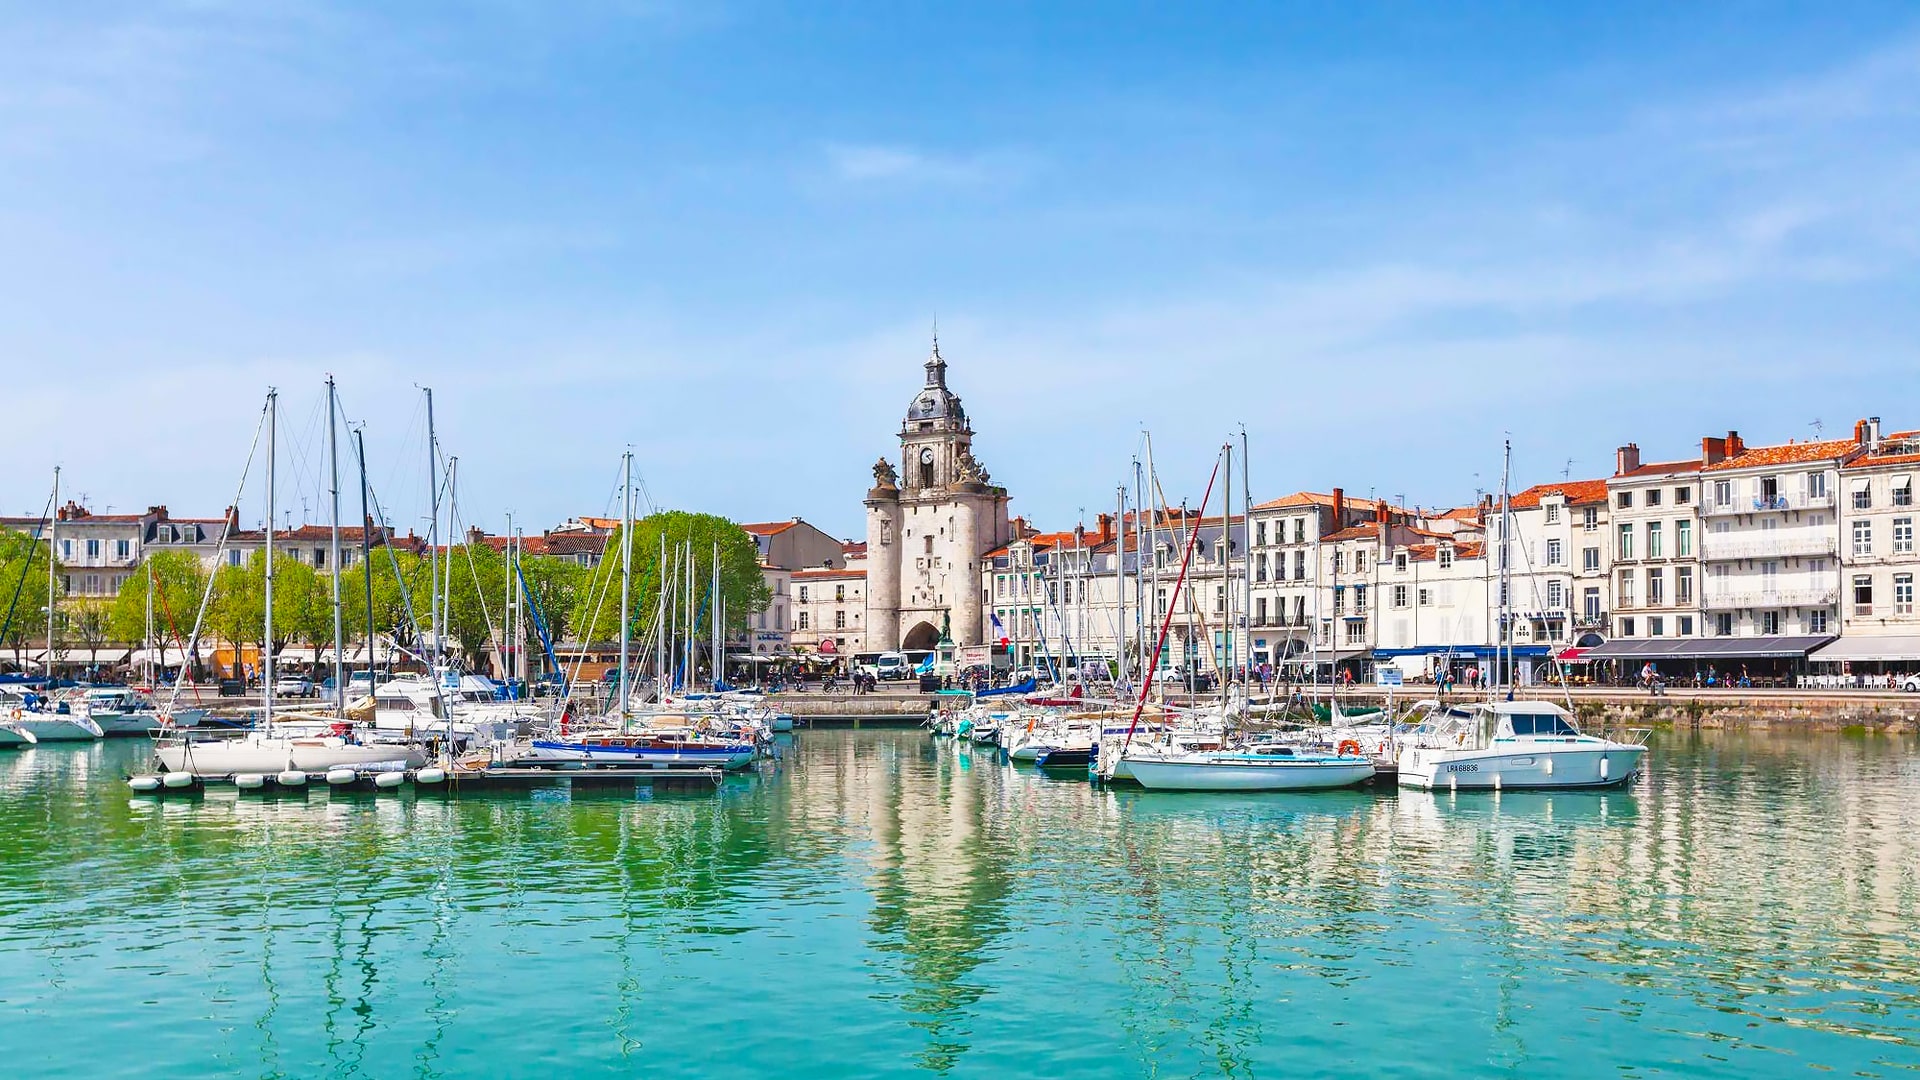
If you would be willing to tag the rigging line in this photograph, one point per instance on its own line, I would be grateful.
(26, 571)
(1166, 622)
(413, 622)
(226, 533)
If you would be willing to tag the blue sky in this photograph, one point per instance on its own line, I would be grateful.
(1381, 238)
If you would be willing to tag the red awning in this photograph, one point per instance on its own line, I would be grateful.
(1570, 654)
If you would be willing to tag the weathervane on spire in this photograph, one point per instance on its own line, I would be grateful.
(936, 365)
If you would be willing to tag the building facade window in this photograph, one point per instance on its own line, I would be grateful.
(803, 589)
(1769, 622)
(1625, 592)
(1590, 519)
(1554, 553)
(1683, 539)
(1656, 626)
(1553, 513)
(1863, 594)
(1903, 536)
(1556, 595)
(1399, 596)
(1624, 500)
(839, 620)
(1590, 559)
(1862, 496)
(1683, 626)
(1400, 561)
(1683, 585)
(1656, 587)
(1723, 624)
(1863, 538)
(1656, 543)
(1625, 547)
(1903, 594)
(1444, 557)
(1626, 627)
(1723, 493)
(1903, 491)
(802, 616)
(1817, 621)
(1653, 496)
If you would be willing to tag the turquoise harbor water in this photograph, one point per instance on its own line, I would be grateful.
(887, 905)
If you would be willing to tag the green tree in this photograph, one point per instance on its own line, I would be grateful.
(179, 581)
(238, 612)
(554, 590)
(23, 591)
(476, 599)
(741, 583)
(91, 622)
(389, 615)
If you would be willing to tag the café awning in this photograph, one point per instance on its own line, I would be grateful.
(1870, 648)
(1774, 647)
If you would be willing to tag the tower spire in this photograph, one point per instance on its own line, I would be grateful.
(936, 364)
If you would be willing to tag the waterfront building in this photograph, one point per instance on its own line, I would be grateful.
(97, 552)
(1652, 532)
(829, 611)
(930, 520)
(1879, 627)
(1286, 592)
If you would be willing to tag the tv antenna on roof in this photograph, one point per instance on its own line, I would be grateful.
(1566, 474)
(1818, 427)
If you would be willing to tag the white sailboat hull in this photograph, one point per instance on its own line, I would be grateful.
(12, 735)
(58, 728)
(1520, 767)
(258, 753)
(1244, 773)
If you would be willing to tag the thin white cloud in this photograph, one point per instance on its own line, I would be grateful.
(870, 163)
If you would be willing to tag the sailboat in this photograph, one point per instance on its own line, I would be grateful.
(670, 739)
(42, 718)
(1512, 744)
(289, 754)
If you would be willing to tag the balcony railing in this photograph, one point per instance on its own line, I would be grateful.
(1765, 503)
(1590, 621)
(1762, 597)
(1778, 543)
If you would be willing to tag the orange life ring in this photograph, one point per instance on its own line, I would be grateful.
(1349, 748)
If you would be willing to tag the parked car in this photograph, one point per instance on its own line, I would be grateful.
(893, 665)
(293, 686)
(1911, 684)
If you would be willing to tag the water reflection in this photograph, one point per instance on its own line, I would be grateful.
(884, 902)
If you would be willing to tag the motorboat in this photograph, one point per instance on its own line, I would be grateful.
(647, 750)
(15, 737)
(1499, 745)
(1261, 768)
(123, 710)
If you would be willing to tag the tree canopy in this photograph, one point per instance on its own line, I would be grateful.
(596, 613)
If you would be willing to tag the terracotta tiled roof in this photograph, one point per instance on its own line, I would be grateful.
(1429, 552)
(1661, 468)
(1578, 493)
(1358, 532)
(1787, 454)
(769, 528)
(824, 574)
(1875, 461)
(853, 548)
(1316, 498)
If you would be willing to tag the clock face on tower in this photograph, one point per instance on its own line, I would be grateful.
(926, 456)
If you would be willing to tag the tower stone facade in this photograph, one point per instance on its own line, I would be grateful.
(928, 523)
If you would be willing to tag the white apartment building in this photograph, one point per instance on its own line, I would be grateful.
(1557, 565)
(829, 608)
(1292, 597)
(1772, 536)
(1880, 630)
(1654, 540)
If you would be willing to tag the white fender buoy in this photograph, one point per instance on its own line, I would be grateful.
(1549, 766)
(1453, 783)
(177, 780)
(389, 780)
(1603, 766)
(430, 776)
(250, 781)
(337, 777)
(144, 783)
(292, 778)
(1496, 781)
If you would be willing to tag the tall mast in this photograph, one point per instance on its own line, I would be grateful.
(1153, 568)
(1139, 574)
(266, 646)
(1246, 552)
(339, 636)
(713, 620)
(446, 593)
(1506, 569)
(506, 618)
(366, 545)
(662, 625)
(148, 642)
(433, 533)
(1225, 663)
(1120, 583)
(53, 561)
(626, 579)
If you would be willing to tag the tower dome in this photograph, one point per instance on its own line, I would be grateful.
(935, 401)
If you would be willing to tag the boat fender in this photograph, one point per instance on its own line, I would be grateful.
(337, 777)
(292, 778)
(389, 780)
(1349, 748)
(177, 780)
(430, 776)
(1603, 766)
(144, 783)
(250, 781)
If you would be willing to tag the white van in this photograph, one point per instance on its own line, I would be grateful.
(893, 665)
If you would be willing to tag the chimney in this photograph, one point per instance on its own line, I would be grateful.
(477, 536)
(157, 513)
(1873, 430)
(1734, 446)
(1339, 509)
(1106, 527)
(1712, 451)
(1626, 459)
(233, 517)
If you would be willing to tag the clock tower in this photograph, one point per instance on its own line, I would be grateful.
(928, 524)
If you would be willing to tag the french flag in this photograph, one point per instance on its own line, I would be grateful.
(999, 631)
